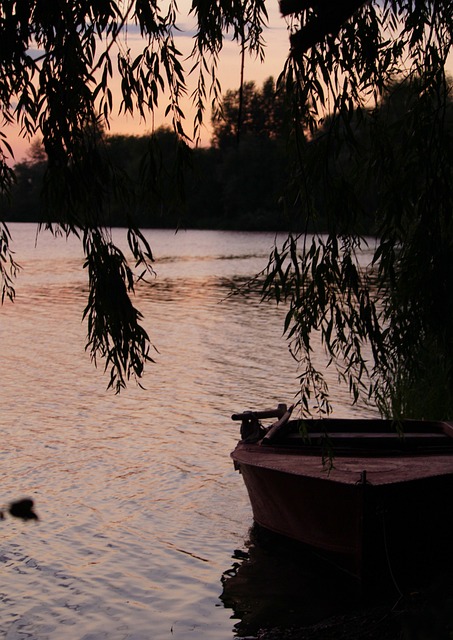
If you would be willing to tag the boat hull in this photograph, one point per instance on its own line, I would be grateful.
(372, 514)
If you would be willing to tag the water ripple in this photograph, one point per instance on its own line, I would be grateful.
(140, 508)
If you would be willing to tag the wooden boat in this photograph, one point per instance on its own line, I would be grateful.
(372, 494)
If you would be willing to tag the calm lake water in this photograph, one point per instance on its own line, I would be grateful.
(141, 511)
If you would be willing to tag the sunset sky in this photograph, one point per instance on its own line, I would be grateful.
(277, 46)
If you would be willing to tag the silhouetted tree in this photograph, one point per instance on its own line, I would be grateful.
(263, 112)
(341, 58)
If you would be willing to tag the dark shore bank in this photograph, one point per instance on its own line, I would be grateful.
(278, 591)
(415, 617)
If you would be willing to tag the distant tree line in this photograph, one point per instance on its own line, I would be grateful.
(238, 181)
(233, 184)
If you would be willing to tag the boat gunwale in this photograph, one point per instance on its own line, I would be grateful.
(367, 437)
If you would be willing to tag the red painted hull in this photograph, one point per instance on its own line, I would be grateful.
(398, 512)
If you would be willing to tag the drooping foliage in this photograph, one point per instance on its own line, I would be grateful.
(385, 324)
(374, 95)
(57, 63)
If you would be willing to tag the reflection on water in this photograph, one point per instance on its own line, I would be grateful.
(279, 583)
(140, 506)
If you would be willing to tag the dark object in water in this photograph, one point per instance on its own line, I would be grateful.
(23, 509)
(374, 495)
